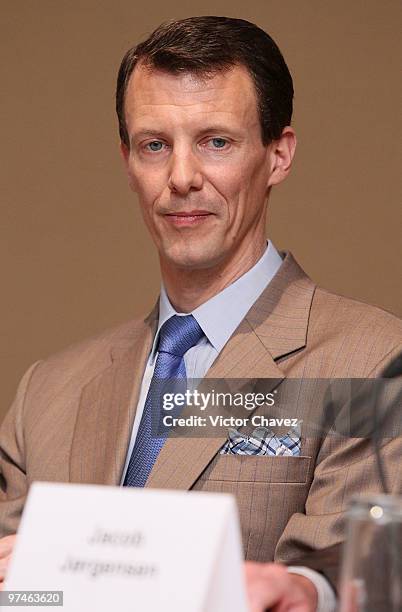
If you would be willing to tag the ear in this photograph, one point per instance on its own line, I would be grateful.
(282, 153)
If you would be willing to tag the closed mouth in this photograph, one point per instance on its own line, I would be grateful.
(191, 213)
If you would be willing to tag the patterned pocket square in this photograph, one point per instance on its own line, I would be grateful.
(263, 441)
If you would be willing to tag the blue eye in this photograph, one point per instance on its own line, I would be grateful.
(155, 145)
(219, 143)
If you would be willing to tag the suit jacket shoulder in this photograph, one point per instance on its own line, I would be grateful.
(348, 312)
(359, 337)
(71, 368)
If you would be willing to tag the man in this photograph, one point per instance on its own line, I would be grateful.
(204, 108)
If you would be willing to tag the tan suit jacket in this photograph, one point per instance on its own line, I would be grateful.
(73, 414)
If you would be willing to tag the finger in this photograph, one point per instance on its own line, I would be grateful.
(6, 545)
(267, 584)
(4, 563)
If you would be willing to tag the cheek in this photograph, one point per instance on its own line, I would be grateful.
(244, 189)
(148, 184)
(241, 171)
(229, 180)
(252, 184)
(235, 183)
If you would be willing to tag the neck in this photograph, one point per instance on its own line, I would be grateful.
(189, 288)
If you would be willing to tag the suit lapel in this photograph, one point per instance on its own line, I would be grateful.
(107, 409)
(275, 327)
(280, 316)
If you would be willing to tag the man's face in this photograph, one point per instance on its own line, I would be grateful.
(197, 162)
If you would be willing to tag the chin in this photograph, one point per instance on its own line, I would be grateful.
(189, 257)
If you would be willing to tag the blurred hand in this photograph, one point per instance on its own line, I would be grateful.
(271, 587)
(6, 549)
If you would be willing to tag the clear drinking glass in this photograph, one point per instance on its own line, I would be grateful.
(371, 577)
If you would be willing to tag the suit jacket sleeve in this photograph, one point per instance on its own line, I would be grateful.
(344, 468)
(13, 479)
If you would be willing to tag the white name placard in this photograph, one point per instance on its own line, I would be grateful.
(126, 549)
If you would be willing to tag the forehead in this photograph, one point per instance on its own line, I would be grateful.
(155, 94)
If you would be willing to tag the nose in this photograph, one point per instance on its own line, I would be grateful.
(185, 173)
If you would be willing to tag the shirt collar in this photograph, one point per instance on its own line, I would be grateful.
(219, 316)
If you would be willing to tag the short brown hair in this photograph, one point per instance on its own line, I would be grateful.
(206, 45)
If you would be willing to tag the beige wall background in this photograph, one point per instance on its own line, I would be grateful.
(75, 256)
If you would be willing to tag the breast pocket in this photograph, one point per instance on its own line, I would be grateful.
(259, 468)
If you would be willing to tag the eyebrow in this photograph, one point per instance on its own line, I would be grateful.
(147, 133)
(216, 127)
(219, 127)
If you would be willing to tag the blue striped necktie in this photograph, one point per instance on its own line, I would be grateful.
(176, 336)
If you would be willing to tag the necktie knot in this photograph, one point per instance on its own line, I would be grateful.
(178, 334)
